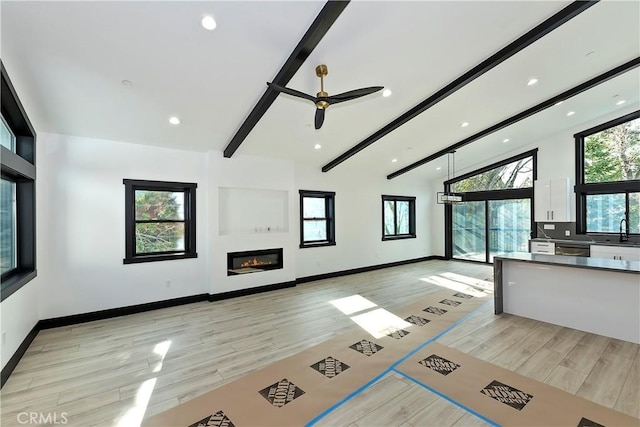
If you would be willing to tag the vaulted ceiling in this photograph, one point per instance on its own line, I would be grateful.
(68, 61)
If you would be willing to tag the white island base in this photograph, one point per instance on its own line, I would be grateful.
(595, 296)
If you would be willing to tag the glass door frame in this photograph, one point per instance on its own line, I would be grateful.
(486, 196)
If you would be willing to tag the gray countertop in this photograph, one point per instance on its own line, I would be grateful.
(573, 261)
(588, 242)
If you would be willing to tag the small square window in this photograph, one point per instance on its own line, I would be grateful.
(7, 139)
(160, 221)
(398, 217)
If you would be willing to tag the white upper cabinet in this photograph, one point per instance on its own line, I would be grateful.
(552, 199)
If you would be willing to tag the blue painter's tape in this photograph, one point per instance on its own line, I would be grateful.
(347, 397)
(458, 404)
(430, 340)
(389, 369)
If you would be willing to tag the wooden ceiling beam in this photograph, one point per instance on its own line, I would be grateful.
(621, 69)
(550, 24)
(325, 19)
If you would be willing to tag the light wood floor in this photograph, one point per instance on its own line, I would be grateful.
(117, 371)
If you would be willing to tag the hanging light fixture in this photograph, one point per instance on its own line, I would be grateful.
(447, 197)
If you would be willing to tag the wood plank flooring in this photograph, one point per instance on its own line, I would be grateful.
(117, 371)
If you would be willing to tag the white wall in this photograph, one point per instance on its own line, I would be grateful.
(18, 315)
(252, 173)
(81, 245)
(81, 239)
(358, 211)
(437, 219)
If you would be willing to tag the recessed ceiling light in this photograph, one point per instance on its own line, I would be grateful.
(504, 141)
(558, 103)
(571, 113)
(532, 81)
(622, 101)
(126, 83)
(174, 120)
(394, 160)
(386, 93)
(464, 124)
(317, 146)
(209, 23)
(438, 168)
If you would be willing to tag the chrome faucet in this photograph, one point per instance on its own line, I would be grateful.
(624, 236)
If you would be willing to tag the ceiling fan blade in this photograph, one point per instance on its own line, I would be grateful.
(291, 92)
(319, 117)
(353, 94)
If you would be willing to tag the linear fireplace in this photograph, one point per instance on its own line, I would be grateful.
(254, 261)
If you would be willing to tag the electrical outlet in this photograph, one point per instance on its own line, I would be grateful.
(567, 233)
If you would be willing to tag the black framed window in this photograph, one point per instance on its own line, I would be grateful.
(317, 218)
(160, 220)
(8, 218)
(398, 217)
(17, 191)
(608, 177)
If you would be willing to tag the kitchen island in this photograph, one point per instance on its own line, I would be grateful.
(596, 295)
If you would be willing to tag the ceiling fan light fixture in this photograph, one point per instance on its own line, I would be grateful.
(323, 100)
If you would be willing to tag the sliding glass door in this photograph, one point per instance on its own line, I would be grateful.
(469, 231)
(495, 217)
(509, 226)
(486, 228)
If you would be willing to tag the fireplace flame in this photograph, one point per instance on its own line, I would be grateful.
(254, 262)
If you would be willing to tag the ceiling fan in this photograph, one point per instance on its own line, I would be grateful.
(322, 98)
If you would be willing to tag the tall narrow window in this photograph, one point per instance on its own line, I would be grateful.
(317, 218)
(608, 177)
(160, 221)
(8, 261)
(398, 217)
(17, 192)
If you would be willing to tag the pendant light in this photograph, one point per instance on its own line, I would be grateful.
(447, 197)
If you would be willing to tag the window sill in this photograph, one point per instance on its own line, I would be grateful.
(16, 281)
(314, 245)
(400, 237)
(161, 257)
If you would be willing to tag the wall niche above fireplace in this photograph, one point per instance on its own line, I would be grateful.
(254, 261)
